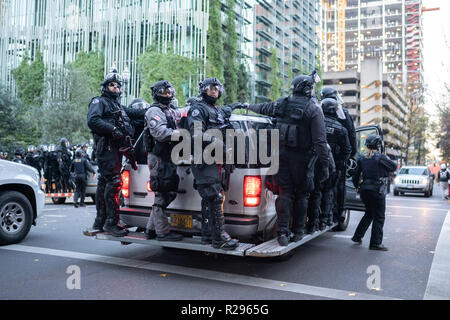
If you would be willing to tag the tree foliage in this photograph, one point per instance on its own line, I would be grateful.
(181, 71)
(214, 44)
(274, 77)
(230, 71)
(29, 79)
(243, 81)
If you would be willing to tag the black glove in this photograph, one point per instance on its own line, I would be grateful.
(324, 175)
(117, 134)
(236, 105)
(227, 110)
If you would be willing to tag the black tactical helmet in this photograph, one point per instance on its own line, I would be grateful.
(329, 106)
(328, 92)
(84, 145)
(160, 88)
(373, 141)
(31, 148)
(139, 104)
(51, 147)
(79, 153)
(43, 148)
(207, 84)
(64, 143)
(112, 76)
(19, 152)
(304, 84)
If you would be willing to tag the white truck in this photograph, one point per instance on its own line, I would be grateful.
(249, 207)
(21, 200)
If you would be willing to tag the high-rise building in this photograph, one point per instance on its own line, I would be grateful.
(290, 28)
(355, 30)
(120, 29)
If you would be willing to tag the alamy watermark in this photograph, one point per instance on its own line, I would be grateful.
(213, 153)
(73, 282)
(374, 280)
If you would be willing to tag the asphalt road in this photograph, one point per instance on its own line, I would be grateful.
(328, 267)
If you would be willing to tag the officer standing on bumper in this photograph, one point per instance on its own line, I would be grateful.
(110, 125)
(338, 139)
(205, 113)
(345, 118)
(302, 133)
(374, 168)
(80, 166)
(161, 120)
(63, 157)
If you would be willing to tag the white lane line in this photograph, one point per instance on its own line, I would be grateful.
(394, 199)
(398, 216)
(204, 274)
(438, 286)
(417, 208)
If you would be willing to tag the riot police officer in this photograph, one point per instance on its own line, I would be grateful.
(4, 155)
(338, 139)
(302, 136)
(344, 117)
(80, 167)
(52, 170)
(206, 115)
(18, 155)
(111, 128)
(33, 159)
(161, 119)
(374, 168)
(138, 124)
(64, 159)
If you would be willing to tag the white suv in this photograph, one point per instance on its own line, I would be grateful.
(414, 179)
(21, 201)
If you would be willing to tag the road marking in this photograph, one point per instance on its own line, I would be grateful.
(417, 208)
(438, 286)
(418, 200)
(54, 215)
(398, 216)
(204, 274)
(51, 209)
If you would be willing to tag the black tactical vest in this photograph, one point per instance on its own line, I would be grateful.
(293, 124)
(335, 134)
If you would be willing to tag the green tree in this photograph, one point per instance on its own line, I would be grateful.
(154, 66)
(230, 71)
(15, 128)
(243, 80)
(274, 77)
(29, 79)
(92, 65)
(214, 44)
(319, 70)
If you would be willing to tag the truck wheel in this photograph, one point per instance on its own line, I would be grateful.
(58, 200)
(342, 226)
(16, 217)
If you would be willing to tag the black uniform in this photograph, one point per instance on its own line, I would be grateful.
(302, 136)
(373, 189)
(110, 124)
(80, 167)
(64, 158)
(33, 159)
(208, 177)
(53, 172)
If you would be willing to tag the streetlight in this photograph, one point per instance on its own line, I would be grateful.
(126, 77)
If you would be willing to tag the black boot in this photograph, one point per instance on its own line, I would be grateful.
(171, 236)
(150, 234)
(283, 240)
(114, 229)
(225, 242)
(206, 225)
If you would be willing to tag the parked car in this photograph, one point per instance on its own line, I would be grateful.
(414, 179)
(21, 201)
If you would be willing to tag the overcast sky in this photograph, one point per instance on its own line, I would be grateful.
(436, 34)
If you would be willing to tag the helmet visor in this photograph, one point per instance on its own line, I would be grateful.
(214, 87)
(166, 91)
(339, 99)
(113, 76)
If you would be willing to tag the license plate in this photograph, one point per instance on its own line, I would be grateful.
(181, 220)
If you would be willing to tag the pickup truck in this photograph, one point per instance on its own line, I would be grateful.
(249, 207)
(21, 200)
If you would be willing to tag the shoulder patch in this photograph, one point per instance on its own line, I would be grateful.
(195, 113)
(152, 124)
(95, 101)
(157, 117)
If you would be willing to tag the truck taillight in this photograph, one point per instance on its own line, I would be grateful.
(126, 183)
(252, 191)
(149, 187)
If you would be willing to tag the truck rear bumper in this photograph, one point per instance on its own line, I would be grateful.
(242, 226)
(266, 249)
